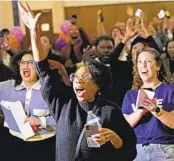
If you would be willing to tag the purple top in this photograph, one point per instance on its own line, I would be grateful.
(150, 129)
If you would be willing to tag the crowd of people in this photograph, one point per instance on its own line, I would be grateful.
(124, 78)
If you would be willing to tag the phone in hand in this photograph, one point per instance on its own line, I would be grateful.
(161, 14)
(91, 129)
(138, 12)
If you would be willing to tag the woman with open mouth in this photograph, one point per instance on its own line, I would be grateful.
(151, 116)
(25, 87)
(114, 137)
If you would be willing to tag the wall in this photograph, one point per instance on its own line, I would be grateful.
(75, 3)
(6, 18)
(6, 13)
(87, 17)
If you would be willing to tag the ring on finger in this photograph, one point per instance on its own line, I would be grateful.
(103, 139)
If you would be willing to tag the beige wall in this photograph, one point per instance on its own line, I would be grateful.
(6, 13)
(74, 3)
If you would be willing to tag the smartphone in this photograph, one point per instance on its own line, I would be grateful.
(91, 129)
(138, 12)
(161, 14)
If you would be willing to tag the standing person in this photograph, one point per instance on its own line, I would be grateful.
(152, 121)
(122, 70)
(168, 60)
(5, 74)
(91, 82)
(26, 89)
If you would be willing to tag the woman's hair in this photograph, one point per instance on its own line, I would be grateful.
(115, 27)
(104, 37)
(100, 73)
(166, 50)
(15, 65)
(137, 82)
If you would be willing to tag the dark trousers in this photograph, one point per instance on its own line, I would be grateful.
(15, 149)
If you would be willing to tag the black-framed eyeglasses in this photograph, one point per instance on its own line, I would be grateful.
(84, 77)
(29, 63)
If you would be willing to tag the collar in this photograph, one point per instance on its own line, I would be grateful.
(87, 106)
(22, 86)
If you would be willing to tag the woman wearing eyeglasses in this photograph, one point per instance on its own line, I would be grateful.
(115, 138)
(26, 89)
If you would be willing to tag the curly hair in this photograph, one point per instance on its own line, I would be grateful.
(100, 73)
(162, 76)
(15, 65)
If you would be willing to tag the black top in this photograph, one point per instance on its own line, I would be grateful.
(70, 116)
(5, 73)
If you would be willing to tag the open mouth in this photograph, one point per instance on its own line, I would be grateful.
(26, 73)
(144, 72)
(80, 91)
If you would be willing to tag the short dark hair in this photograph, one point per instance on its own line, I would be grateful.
(100, 73)
(103, 37)
(3, 31)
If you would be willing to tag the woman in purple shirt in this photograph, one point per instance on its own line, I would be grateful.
(151, 112)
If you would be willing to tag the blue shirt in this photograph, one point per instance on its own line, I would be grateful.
(149, 129)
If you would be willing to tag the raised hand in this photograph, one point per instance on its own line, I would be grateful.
(144, 26)
(100, 15)
(130, 30)
(27, 16)
(130, 11)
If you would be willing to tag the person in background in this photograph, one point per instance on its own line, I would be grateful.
(110, 57)
(5, 32)
(151, 118)
(73, 52)
(168, 60)
(5, 74)
(25, 87)
(55, 60)
(91, 81)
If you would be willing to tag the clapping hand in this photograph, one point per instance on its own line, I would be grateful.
(150, 104)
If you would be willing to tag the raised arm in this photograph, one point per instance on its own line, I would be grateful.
(149, 38)
(100, 26)
(130, 32)
(31, 22)
(54, 92)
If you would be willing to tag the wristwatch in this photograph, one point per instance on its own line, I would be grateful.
(157, 111)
